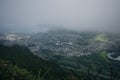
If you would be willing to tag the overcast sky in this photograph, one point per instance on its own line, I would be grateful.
(28, 15)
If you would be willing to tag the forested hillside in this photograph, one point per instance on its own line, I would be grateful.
(18, 61)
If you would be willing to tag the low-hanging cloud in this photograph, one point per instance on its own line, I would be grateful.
(100, 15)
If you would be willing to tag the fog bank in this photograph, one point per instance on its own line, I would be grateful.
(41, 15)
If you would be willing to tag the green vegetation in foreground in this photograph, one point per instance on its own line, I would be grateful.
(9, 71)
(27, 63)
(101, 38)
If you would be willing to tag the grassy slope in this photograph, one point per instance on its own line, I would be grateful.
(101, 38)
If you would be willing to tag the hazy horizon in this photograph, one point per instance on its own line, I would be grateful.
(42, 15)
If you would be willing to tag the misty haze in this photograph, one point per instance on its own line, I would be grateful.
(59, 40)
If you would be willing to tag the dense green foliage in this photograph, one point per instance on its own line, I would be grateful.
(9, 71)
(24, 58)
